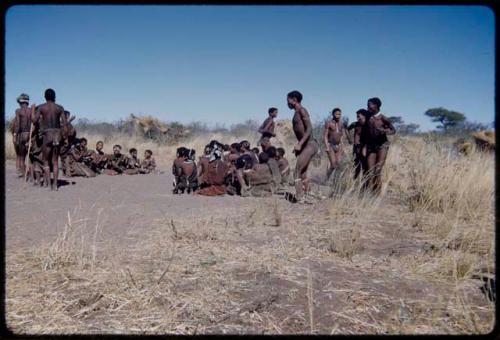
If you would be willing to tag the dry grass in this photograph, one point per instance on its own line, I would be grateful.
(399, 263)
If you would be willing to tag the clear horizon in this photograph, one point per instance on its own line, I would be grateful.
(227, 64)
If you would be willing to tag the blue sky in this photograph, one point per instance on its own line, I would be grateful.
(226, 64)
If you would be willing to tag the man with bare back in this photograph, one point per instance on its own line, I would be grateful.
(358, 141)
(306, 146)
(378, 127)
(215, 173)
(21, 132)
(246, 149)
(259, 177)
(50, 115)
(202, 165)
(332, 136)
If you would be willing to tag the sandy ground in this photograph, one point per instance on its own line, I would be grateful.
(253, 274)
(129, 203)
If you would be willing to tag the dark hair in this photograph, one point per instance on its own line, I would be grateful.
(225, 147)
(207, 149)
(99, 141)
(236, 146)
(149, 151)
(295, 95)
(363, 112)
(271, 110)
(271, 152)
(50, 94)
(182, 151)
(375, 101)
(245, 144)
(83, 139)
(265, 139)
(255, 151)
(280, 151)
(263, 157)
(335, 110)
(243, 162)
(132, 150)
(117, 146)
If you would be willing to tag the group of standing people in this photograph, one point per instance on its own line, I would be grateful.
(45, 134)
(369, 140)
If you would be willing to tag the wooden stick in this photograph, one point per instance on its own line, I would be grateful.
(29, 143)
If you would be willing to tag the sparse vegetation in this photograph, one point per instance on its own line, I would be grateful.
(401, 263)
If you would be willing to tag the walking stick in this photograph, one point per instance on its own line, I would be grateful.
(29, 143)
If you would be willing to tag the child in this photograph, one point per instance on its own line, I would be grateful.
(267, 127)
(133, 163)
(283, 165)
(148, 164)
(179, 184)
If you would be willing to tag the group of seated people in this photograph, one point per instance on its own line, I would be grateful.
(78, 160)
(235, 169)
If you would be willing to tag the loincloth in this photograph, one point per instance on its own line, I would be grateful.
(371, 148)
(51, 136)
(334, 147)
(311, 145)
(24, 137)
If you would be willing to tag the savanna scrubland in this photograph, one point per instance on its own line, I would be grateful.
(123, 255)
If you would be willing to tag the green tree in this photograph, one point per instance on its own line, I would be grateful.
(445, 117)
(401, 127)
(395, 120)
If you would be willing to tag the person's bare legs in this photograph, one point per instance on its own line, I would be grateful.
(380, 162)
(371, 160)
(243, 186)
(22, 160)
(333, 163)
(357, 166)
(55, 167)
(303, 161)
(46, 157)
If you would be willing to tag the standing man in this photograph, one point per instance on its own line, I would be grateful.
(50, 115)
(332, 136)
(306, 146)
(378, 127)
(21, 132)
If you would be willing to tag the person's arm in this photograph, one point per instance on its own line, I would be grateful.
(37, 115)
(349, 128)
(16, 127)
(325, 136)
(283, 172)
(63, 118)
(265, 126)
(76, 155)
(389, 130)
(347, 135)
(304, 115)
